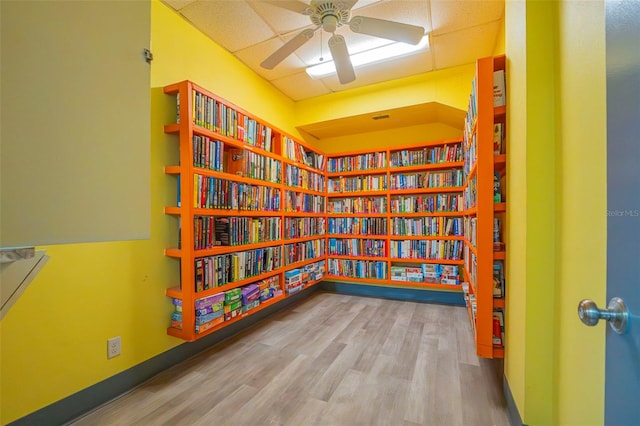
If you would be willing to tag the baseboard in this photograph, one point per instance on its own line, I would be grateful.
(512, 409)
(86, 400)
(395, 293)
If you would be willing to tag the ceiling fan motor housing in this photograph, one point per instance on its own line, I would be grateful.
(329, 14)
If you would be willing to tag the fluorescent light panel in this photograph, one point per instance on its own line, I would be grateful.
(379, 54)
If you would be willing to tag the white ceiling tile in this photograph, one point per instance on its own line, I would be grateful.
(448, 16)
(464, 46)
(232, 24)
(279, 19)
(300, 86)
(254, 55)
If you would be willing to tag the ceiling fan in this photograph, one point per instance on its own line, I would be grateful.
(331, 14)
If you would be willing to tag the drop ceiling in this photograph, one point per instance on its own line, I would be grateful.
(460, 31)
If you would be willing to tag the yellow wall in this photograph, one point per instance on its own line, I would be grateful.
(54, 337)
(581, 218)
(449, 87)
(557, 190)
(389, 138)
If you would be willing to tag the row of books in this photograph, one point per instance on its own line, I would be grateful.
(357, 183)
(429, 179)
(426, 273)
(301, 202)
(299, 227)
(250, 164)
(471, 230)
(369, 161)
(426, 249)
(428, 203)
(427, 226)
(472, 109)
(470, 192)
(303, 178)
(357, 247)
(372, 205)
(357, 268)
(220, 118)
(358, 225)
(498, 278)
(498, 327)
(297, 279)
(470, 154)
(434, 155)
(208, 153)
(216, 193)
(296, 152)
(297, 252)
(216, 271)
(232, 231)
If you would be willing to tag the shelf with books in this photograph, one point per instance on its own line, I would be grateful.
(356, 162)
(230, 211)
(485, 206)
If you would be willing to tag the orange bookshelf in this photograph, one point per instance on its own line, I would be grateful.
(483, 168)
(227, 156)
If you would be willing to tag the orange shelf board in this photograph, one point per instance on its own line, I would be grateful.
(499, 255)
(172, 170)
(356, 214)
(174, 292)
(304, 190)
(423, 167)
(498, 303)
(219, 212)
(290, 162)
(224, 324)
(180, 334)
(427, 237)
(173, 252)
(173, 210)
(303, 263)
(230, 286)
(500, 159)
(172, 128)
(303, 214)
(426, 190)
(342, 257)
(472, 211)
(500, 207)
(232, 249)
(303, 239)
(498, 352)
(423, 214)
(357, 280)
(440, 261)
(471, 247)
(380, 171)
(368, 237)
(222, 138)
(500, 111)
(356, 194)
(172, 89)
(235, 178)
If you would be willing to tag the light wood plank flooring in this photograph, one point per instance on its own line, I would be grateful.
(330, 360)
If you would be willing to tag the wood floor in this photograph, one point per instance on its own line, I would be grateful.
(330, 360)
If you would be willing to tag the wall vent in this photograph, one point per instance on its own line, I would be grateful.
(380, 117)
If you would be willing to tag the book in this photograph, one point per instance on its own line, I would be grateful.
(497, 193)
(498, 138)
(499, 92)
(498, 278)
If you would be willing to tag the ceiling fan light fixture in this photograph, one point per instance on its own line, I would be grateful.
(367, 57)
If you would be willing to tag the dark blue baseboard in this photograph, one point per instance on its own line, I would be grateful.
(512, 409)
(395, 293)
(86, 400)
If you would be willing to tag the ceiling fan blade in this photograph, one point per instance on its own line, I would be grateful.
(288, 48)
(347, 4)
(292, 5)
(391, 30)
(340, 55)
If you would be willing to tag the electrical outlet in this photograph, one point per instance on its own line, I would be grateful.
(113, 347)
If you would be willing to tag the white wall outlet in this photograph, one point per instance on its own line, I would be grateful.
(113, 347)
